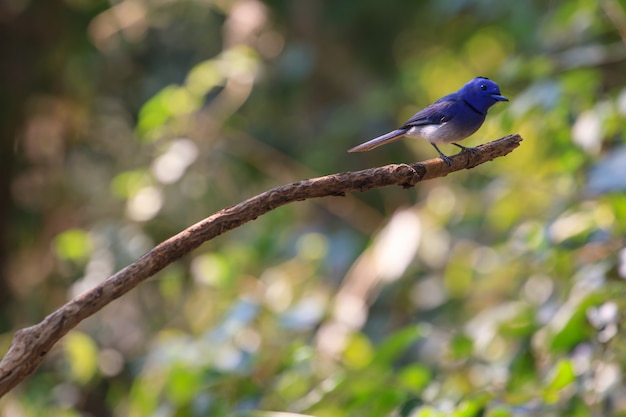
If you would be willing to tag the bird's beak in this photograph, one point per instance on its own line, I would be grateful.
(499, 97)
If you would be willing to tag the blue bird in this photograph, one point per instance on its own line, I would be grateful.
(449, 120)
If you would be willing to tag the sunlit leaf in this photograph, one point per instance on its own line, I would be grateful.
(183, 382)
(561, 376)
(73, 244)
(414, 377)
(470, 408)
(328, 410)
(427, 412)
(270, 414)
(500, 411)
(82, 356)
(126, 184)
(212, 269)
(170, 102)
(203, 77)
(358, 352)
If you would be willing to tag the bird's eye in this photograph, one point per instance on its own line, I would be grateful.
(483, 87)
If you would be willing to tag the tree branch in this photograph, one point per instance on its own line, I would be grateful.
(30, 345)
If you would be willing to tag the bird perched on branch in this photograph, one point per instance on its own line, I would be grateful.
(449, 120)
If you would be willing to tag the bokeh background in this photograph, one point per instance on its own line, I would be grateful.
(497, 291)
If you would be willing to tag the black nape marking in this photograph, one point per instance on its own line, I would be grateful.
(474, 108)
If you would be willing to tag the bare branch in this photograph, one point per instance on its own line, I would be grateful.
(30, 345)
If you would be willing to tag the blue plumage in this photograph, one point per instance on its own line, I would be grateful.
(449, 120)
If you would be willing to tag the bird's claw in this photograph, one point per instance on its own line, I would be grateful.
(446, 159)
(473, 151)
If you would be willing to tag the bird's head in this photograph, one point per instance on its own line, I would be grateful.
(481, 93)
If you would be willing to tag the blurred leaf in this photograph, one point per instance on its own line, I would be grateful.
(394, 345)
(414, 377)
(428, 412)
(145, 393)
(82, 356)
(170, 102)
(171, 283)
(461, 347)
(312, 246)
(293, 384)
(500, 411)
(183, 383)
(523, 370)
(471, 408)
(270, 414)
(328, 410)
(577, 327)
(73, 244)
(560, 377)
(358, 352)
(522, 324)
(408, 406)
(458, 277)
(129, 183)
(203, 77)
(212, 269)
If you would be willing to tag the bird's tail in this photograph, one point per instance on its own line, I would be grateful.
(381, 140)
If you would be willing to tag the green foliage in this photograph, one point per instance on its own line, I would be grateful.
(82, 357)
(493, 292)
(73, 245)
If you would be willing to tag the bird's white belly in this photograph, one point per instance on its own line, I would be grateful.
(442, 133)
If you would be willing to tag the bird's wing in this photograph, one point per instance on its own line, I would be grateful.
(435, 114)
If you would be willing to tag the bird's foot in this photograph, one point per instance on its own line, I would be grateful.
(446, 159)
(473, 151)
